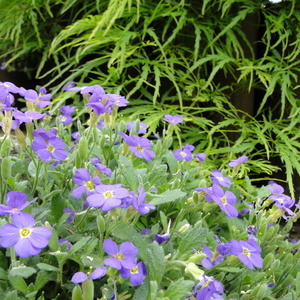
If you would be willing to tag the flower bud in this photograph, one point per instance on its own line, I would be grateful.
(6, 168)
(192, 269)
(77, 293)
(83, 148)
(196, 257)
(88, 289)
(5, 147)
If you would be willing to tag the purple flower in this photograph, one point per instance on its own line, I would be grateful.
(200, 157)
(107, 196)
(117, 100)
(210, 260)
(86, 182)
(161, 238)
(80, 277)
(41, 100)
(136, 274)
(185, 153)
(225, 200)
(123, 256)
(75, 135)
(131, 126)
(210, 289)
(248, 252)
(139, 146)
(27, 116)
(218, 178)
(238, 161)
(206, 193)
(176, 119)
(49, 148)
(27, 239)
(71, 216)
(16, 201)
(67, 110)
(138, 202)
(101, 168)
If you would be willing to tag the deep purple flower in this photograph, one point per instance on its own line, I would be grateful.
(80, 277)
(27, 239)
(173, 119)
(211, 259)
(136, 274)
(107, 196)
(225, 200)
(71, 216)
(123, 256)
(185, 153)
(138, 202)
(27, 116)
(218, 178)
(210, 289)
(86, 182)
(238, 161)
(139, 146)
(16, 201)
(50, 149)
(131, 126)
(248, 252)
(41, 100)
(161, 238)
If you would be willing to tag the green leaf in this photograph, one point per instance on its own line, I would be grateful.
(128, 172)
(3, 274)
(179, 289)
(155, 262)
(167, 196)
(46, 267)
(18, 283)
(13, 295)
(194, 238)
(80, 244)
(22, 271)
(124, 232)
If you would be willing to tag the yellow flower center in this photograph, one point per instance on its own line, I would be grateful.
(206, 283)
(119, 256)
(246, 251)
(220, 178)
(24, 232)
(50, 148)
(134, 270)
(108, 194)
(183, 154)
(224, 200)
(139, 148)
(89, 184)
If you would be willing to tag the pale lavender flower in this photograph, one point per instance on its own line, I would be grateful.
(80, 277)
(218, 178)
(173, 119)
(27, 116)
(200, 157)
(139, 146)
(123, 256)
(131, 126)
(225, 200)
(41, 100)
(238, 161)
(16, 201)
(49, 149)
(100, 167)
(86, 182)
(107, 196)
(26, 239)
(185, 153)
(248, 252)
(138, 202)
(135, 274)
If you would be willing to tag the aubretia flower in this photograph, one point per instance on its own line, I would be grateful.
(80, 277)
(161, 238)
(138, 202)
(27, 239)
(101, 168)
(139, 146)
(173, 119)
(16, 201)
(107, 196)
(185, 153)
(41, 99)
(200, 157)
(218, 178)
(248, 252)
(123, 256)
(67, 111)
(27, 116)
(238, 161)
(210, 289)
(49, 149)
(86, 183)
(136, 274)
(131, 126)
(225, 200)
